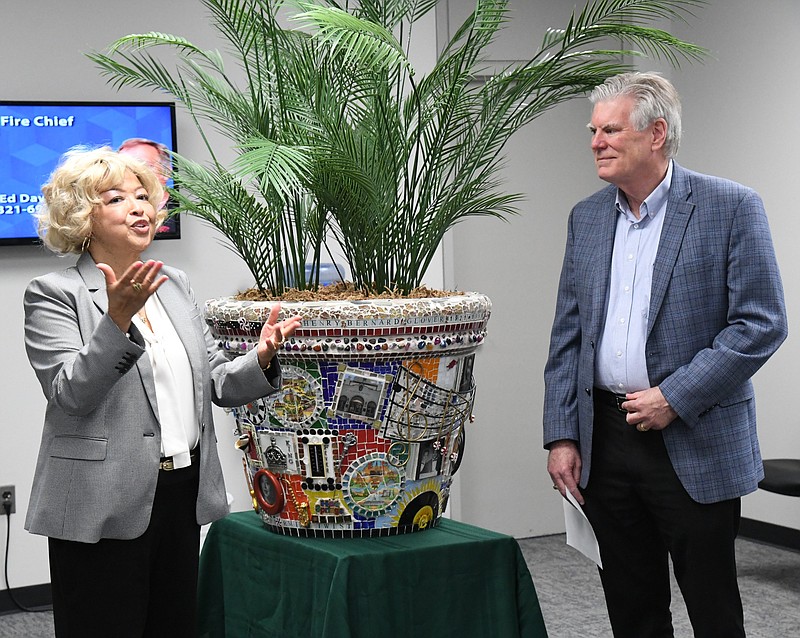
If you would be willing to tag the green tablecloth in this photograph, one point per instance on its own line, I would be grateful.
(453, 580)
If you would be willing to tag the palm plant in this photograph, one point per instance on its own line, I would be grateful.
(337, 136)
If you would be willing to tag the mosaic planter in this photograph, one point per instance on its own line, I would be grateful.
(369, 427)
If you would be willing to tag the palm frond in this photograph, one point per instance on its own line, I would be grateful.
(140, 41)
(391, 13)
(357, 40)
(274, 166)
(335, 133)
(138, 71)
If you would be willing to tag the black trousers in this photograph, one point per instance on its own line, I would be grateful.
(145, 587)
(642, 516)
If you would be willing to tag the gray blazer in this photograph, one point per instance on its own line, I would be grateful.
(98, 462)
(716, 315)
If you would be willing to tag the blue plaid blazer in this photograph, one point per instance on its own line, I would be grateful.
(716, 315)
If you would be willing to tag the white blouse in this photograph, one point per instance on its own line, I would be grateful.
(172, 374)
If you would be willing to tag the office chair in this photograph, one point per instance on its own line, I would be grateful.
(781, 476)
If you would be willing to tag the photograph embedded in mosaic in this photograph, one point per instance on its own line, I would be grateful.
(428, 461)
(467, 383)
(360, 393)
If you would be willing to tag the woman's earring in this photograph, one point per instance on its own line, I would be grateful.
(85, 245)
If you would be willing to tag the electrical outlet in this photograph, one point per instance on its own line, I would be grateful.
(8, 495)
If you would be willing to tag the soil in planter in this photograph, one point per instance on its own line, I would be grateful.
(341, 291)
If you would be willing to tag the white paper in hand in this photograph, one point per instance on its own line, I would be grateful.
(580, 534)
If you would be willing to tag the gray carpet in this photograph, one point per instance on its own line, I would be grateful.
(572, 600)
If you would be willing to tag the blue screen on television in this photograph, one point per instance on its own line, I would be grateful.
(34, 136)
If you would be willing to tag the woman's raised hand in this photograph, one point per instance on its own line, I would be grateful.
(127, 295)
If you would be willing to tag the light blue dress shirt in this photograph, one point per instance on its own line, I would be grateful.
(620, 365)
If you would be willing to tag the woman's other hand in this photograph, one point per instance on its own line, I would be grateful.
(273, 333)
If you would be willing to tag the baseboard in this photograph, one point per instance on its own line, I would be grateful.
(35, 598)
(777, 535)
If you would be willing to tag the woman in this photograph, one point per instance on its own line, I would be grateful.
(128, 467)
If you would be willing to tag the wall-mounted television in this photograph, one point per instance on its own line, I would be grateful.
(34, 136)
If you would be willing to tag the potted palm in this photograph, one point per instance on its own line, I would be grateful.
(339, 141)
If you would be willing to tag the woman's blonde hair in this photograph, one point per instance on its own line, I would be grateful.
(73, 192)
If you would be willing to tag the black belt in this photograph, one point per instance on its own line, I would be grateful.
(609, 398)
(167, 464)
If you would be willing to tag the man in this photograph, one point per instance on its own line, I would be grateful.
(669, 301)
(152, 153)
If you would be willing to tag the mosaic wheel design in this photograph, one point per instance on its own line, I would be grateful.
(373, 483)
(255, 412)
(422, 510)
(268, 491)
(300, 400)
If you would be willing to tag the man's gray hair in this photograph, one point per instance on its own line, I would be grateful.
(654, 97)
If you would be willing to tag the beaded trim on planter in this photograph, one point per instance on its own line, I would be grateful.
(344, 329)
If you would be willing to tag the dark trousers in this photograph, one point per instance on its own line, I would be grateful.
(145, 587)
(642, 516)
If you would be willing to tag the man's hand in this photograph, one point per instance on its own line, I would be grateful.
(648, 410)
(564, 467)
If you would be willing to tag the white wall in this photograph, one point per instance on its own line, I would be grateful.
(741, 122)
(738, 125)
